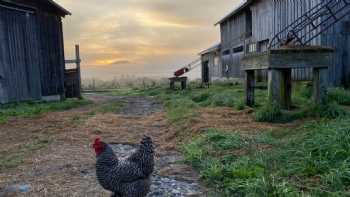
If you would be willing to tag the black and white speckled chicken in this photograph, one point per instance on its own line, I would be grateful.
(125, 178)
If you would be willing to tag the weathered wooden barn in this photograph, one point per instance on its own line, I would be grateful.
(32, 60)
(211, 65)
(251, 26)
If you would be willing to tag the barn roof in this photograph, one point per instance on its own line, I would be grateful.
(236, 10)
(59, 8)
(51, 4)
(211, 49)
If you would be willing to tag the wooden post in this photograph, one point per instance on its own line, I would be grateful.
(320, 85)
(78, 61)
(94, 84)
(250, 88)
(183, 83)
(280, 87)
(287, 84)
(172, 83)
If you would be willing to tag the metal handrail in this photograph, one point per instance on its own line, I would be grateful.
(319, 18)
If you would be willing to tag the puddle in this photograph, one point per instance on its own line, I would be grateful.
(15, 189)
(139, 106)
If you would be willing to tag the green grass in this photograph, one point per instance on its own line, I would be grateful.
(339, 95)
(183, 104)
(304, 106)
(12, 159)
(29, 109)
(311, 161)
(270, 112)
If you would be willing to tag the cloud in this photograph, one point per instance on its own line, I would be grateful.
(147, 33)
(120, 62)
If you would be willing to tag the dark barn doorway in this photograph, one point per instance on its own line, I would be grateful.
(205, 72)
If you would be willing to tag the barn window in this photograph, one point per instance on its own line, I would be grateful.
(227, 52)
(238, 49)
(251, 48)
(216, 61)
(249, 23)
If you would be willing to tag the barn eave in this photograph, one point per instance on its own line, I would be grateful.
(236, 11)
(216, 47)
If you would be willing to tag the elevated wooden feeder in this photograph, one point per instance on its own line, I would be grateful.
(279, 63)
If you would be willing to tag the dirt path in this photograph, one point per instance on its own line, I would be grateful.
(61, 161)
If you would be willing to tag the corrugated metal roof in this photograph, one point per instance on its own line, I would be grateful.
(211, 49)
(236, 10)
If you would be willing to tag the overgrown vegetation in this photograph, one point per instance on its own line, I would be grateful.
(339, 95)
(270, 112)
(31, 109)
(181, 105)
(310, 161)
(305, 106)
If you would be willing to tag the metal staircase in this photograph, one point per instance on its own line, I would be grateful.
(311, 24)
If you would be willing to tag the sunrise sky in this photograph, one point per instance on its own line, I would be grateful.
(141, 37)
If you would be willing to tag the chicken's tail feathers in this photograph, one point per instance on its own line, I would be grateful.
(147, 138)
(147, 143)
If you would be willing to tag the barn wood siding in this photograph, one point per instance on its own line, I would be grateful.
(233, 33)
(31, 51)
(20, 68)
(51, 55)
(3, 84)
(286, 11)
(272, 16)
(338, 37)
(215, 70)
(262, 14)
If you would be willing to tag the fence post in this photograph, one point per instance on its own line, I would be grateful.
(78, 61)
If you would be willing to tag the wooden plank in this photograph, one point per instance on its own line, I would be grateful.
(288, 58)
(3, 50)
(250, 88)
(279, 87)
(320, 85)
(78, 60)
(52, 54)
(32, 27)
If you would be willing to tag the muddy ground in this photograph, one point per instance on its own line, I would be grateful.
(60, 160)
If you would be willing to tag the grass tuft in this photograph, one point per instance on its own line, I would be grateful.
(223, 100)
(29, 109)
(270, 112)
(312, 163)
(339, 95)
(329, 110)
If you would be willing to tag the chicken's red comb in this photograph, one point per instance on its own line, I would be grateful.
(97, 140)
